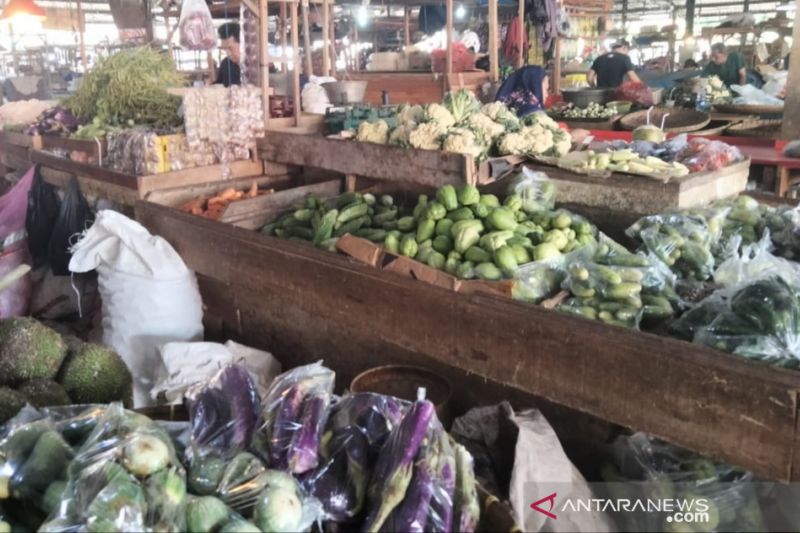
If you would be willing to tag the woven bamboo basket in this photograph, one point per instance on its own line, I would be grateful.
(757, 128)
(678, 121)
(741, 109)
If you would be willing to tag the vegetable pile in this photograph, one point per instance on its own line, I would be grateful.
(126, 89)
(718, 93)
(39, 367)
(462, 125)
(363, 461)
(593, 111)
(624, 160)
(214, 206)
(55, 121)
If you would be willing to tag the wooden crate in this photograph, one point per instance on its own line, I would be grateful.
(303, 304)
(644, 196)
(369, 160)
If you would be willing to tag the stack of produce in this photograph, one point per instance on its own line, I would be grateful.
(718, 92)
(625, 160)
(618, 287)
(462, 125)
(39, 367)
(593, 111)
(760, 320)
(369, 462)
(213, 207)
(323, 222)
(126, 89)
(54, 121)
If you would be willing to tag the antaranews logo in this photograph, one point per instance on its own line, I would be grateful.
(551, 500)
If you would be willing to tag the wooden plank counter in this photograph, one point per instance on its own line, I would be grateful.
(304, 304)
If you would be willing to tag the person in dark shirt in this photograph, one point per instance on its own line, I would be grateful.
(729, 67)
(610, 70)
(229, 72)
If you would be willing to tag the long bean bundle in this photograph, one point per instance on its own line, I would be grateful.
(129, 87)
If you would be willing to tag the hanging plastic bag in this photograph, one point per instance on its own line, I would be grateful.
(14, 206)
(538, 193)
(43, 209)
(74, 217)
(15, 296)
(149, 296)
(196, 26)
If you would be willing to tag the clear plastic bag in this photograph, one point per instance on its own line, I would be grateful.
(413, 482)
(756, 261)
(750, 95)
(196, 26)
(295, 412)
(784, 225)
(125, 477)
(703, 154)
(357, 428)
(538, 193)
(682, 241)
(670, 471)
(636, 92)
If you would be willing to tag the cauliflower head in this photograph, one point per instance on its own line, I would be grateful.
(373, 132)
(410, 114)
(541, 118)
(439, 114)
(715, 82)
(461, 104)
(499, 112)
(399, 136)
(562, 143)
(530, 140)
(427, 136)
(463, 141)
(487, 129)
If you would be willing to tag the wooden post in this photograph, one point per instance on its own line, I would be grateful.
(689, 17)
(791, 109)
(295, 64)
(81, 40)
(407, 26)
(263, 49)
(332, 38)
(494, 58)
(521, 39)
(449, 38)
(309, 69)
(326, 55)
(284, 37)
(556, 82)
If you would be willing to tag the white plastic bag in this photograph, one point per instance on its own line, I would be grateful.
(314, 97)
(541, 463)
(188, 363)
(149, 296)
(749, 95)
(196, 27)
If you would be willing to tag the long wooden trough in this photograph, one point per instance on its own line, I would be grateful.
(305, 304)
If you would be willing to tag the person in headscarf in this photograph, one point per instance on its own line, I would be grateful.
(525, 90)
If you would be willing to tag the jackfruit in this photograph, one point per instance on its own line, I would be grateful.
(29, 350)
(95, 374)
(44, 393)
(11, 402)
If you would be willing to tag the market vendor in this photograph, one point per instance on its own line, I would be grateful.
(729, 67)
(229, 72)
(524, 90)
(610, 70)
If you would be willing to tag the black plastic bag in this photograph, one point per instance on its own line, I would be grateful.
(43, 208)
(74, 217)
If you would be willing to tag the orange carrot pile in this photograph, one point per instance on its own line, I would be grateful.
(214, 207)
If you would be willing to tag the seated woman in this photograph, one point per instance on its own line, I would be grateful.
(525, 90)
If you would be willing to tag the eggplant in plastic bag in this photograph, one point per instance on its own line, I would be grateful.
(125, 477)
(295, 412)
(357, 428)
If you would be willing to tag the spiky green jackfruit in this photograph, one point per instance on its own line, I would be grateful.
(28, 350)
(11, 402)
(44, 393)
(95, 374)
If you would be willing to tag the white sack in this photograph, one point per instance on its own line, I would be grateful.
(149, 295)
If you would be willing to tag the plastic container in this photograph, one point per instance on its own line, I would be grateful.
(585, 96)
(403, 381)
(345, 92)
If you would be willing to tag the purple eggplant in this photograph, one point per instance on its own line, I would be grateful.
(304, 447)
(394, 466)
(284, 426)
(412, 514)
(224, 413)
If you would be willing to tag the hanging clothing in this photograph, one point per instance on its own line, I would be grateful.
(511, 51)
(535, 51)
(522, 90)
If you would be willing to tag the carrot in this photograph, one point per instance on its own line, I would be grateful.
(239, 196)
(253, 190)
(193, 205)
(228, 193)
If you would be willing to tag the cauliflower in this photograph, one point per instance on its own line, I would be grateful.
(541, 118)
(439, 114)
(399, 135)
(373, 132)
(463, 141)
(427, 136)
(499, 112)
(410, 114)
(715, 82)
(515, 143)
(530, 140)
(461, 104)
(486, 128)
(562, 143)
